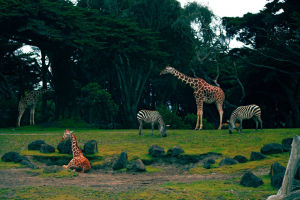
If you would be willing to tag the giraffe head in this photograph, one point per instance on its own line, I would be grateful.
(167, 70)
(67, 134)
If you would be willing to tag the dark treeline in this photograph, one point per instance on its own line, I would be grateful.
(103, 59)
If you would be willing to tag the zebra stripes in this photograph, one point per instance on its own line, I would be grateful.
(150, 116)
(245, 112)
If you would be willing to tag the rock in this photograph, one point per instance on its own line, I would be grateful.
(52, 169)
(228, 161)
(257, 156)
(46, 148)
(271, 148)
(156, 151)
(277, 173)
(36, 145)
(65, 146)
(90, 147)
(175, 151)
(250, 180)
(137, 166)
(12, 157)
(240, 159)
(206, 165)
(27, 163)
(121, 162)
(287, 144)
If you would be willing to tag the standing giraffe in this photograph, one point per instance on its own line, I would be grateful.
(203, 92)
(30, 100)
(79, 162)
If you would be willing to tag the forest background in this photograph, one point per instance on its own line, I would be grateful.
(103, 58)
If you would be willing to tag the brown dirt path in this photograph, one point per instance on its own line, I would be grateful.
(102, 180)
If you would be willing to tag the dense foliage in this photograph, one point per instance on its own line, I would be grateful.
(103, 60)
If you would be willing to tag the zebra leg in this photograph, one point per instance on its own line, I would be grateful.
(256, 123)
(152, 127)
(240, 126)
(140, 127)
(260, 121)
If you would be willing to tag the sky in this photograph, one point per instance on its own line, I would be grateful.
(230, 8)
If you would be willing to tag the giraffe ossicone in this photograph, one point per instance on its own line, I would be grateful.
(203, 93)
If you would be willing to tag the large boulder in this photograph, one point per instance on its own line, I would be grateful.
(65, 146)
(271, 148)
(240, 159)
(137, 166)
(121, 162)
(287, 144)
(228, 161)
(175, 151)
(90, 147)
(36, 145)
(208, 162)
(257, 156)
(12, 157)
(277, 173)
(46, 148)
(250, 180)
(17, 158)
(156, 151)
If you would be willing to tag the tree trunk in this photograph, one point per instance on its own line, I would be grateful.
(44, 80)
(286, 192)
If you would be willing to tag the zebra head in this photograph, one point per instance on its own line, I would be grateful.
(231, 126)
(167, 70)
(163, 131)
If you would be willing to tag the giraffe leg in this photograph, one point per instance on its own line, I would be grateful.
(21, 112)
(33, 111)
(199, 114)
(220, 109)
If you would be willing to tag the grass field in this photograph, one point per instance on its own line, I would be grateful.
(112, 142)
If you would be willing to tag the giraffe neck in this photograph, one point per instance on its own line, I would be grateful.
(193, 82)
(75, 149)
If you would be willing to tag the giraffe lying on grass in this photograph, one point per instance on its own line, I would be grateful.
(79, 162)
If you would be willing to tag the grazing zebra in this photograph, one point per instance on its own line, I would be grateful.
(245, 112)
(150, 116)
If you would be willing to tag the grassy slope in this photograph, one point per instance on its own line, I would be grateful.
(112, 142)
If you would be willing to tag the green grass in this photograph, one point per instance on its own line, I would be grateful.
(112, 142)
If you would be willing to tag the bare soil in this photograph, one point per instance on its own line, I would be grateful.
(99, 179)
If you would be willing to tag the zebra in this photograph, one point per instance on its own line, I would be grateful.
(245, 112)
(151, 116)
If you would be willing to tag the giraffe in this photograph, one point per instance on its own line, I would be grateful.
(79, 162)
(30, 100)
(203, 93)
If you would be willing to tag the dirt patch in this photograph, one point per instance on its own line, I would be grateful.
(100, 180)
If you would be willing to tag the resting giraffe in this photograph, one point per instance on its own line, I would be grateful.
(203, 92)
(30, 100)
(79, 162)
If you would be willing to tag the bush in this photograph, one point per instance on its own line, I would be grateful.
(171, 118)
(97, 106)
(190, 121)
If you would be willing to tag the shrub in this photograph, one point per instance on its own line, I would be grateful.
(170, 117)
(97, 106)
